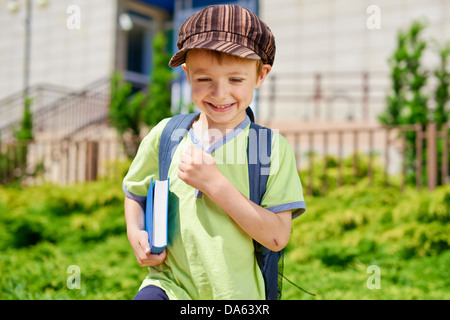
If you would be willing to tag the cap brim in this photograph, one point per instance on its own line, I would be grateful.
(230, 48)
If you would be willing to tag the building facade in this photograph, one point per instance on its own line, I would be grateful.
(332, 55)
(331, 62)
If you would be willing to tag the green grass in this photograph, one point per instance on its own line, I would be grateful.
(407, 235)
(46, 229)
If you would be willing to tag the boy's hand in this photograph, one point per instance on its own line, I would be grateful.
(139, 242)
(198, 169)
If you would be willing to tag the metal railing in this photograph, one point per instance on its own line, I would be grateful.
(11, 108)
(324, 96)
(64, 124)
(57, 112)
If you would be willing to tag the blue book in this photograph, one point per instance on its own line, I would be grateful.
(156, 211)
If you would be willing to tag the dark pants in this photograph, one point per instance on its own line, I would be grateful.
(151, 293)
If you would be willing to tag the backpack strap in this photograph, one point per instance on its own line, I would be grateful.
(259, 150)
(250, 114)
(171, 136)
(258, 155)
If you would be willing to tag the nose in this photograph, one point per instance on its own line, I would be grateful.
(219, 90)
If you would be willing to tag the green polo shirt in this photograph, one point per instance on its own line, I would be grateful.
(208, 255)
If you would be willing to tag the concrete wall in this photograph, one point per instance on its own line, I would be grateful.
(60, 55)
(331, 37)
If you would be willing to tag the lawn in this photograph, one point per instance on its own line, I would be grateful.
(406, 236)
(70, 243)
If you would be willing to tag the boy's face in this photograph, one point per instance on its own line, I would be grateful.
(222, 88)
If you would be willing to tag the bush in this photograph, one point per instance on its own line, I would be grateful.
(354, 168)
(45, 229)
(406, 234)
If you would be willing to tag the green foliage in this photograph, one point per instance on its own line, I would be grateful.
(158, 106)
(45, 229)
(441, 114)
(25, 133)
(407, 103)
(13, 160)
(328, 172)
(442, 93)
(406, 234)
(130, 111)
(125, 112)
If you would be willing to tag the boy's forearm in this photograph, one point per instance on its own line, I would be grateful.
(270, 229)
(134, 215)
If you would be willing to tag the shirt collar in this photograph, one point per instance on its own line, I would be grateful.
(216, 145)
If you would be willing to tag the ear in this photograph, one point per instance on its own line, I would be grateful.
(186, 71)
(262, 76)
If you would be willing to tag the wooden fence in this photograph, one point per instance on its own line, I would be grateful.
(386, 146)
(318, 152)
(60, 162)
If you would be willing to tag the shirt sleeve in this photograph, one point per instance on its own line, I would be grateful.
(284, 188)
(144, 166)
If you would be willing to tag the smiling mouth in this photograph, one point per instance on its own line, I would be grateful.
(221, 107)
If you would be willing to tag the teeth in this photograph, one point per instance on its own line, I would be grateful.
(223, 106)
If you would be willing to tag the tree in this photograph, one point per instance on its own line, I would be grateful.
(441, 114)
(442, 92)
(25, 133)
(396, 99)
(128, 111)
(159, 104)
(125, 112)
(407, 102)
(13, 163)
(24, 136)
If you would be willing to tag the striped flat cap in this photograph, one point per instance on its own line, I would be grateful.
(231, 29)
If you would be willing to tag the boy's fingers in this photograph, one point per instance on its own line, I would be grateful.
(144, 251)
(153, 259)
(190, 149)
(193, 152)
(185, 159)
(156, 259)
(143, 242)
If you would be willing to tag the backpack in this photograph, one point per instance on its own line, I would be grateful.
(171, 136)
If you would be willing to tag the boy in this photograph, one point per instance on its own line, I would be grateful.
(226, 52)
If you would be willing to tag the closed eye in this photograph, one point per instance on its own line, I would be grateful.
(203, 79)
(236, 80)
